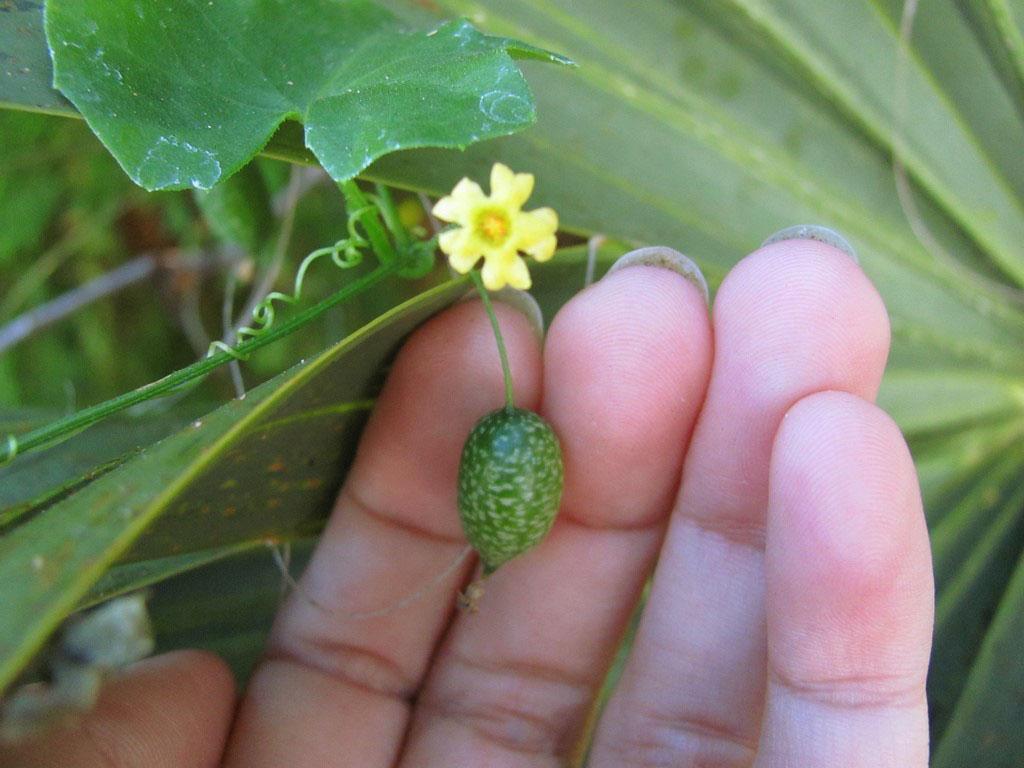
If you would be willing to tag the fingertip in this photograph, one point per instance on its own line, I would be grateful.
(626, 365)
(809, 293)
(630, 340)
(848, 591)
(842, 475)
(848, 563)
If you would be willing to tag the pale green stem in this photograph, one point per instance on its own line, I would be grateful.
(389, 212)
(506, 371)
(355, 200)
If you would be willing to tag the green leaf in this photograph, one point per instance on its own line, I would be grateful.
(266, 467)
(897, 102)
(184, 94)
(999, 25)
(25, 60)
(947, 463)
(971, 509)
(27, 81)
(29, 200)
(960, 65)
(130, 577)
(674, 159)
(985, 727)
(941, 399)
(41, 475)
(969, 598)
(225, 606)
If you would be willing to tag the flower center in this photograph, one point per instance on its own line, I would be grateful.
(493, 226)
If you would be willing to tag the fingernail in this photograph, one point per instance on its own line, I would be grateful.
(814, 232)
(522, 301)
(666, 258)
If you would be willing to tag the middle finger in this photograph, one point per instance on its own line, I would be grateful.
(794, 318)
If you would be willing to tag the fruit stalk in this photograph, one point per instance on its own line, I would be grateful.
(506, 371)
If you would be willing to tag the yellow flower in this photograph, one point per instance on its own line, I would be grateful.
(496, 228)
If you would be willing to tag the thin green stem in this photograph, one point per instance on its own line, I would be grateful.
(355, 200)
(65, 428)
(506, 371)
(389, 211)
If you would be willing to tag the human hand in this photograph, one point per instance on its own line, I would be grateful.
(790, 617)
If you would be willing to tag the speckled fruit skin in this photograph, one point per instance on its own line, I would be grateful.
(510, 484)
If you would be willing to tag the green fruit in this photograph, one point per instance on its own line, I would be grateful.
(510, 484)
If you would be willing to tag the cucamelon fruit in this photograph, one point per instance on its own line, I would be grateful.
(510, 484)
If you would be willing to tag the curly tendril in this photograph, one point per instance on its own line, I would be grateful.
(398, 255)
(413, 259)
(345, 254)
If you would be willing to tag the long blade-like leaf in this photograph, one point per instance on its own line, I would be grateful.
(999, 25)
(263, 467)
(985, 726)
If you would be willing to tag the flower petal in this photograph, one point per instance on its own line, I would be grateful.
(459, 206)
(493, 274)
(508, 188)
(532, 227)
(501, 178)
(518, 274)
(463, 263)
(451, 240)
(504, 267)
(457, 244)
(544, 249)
